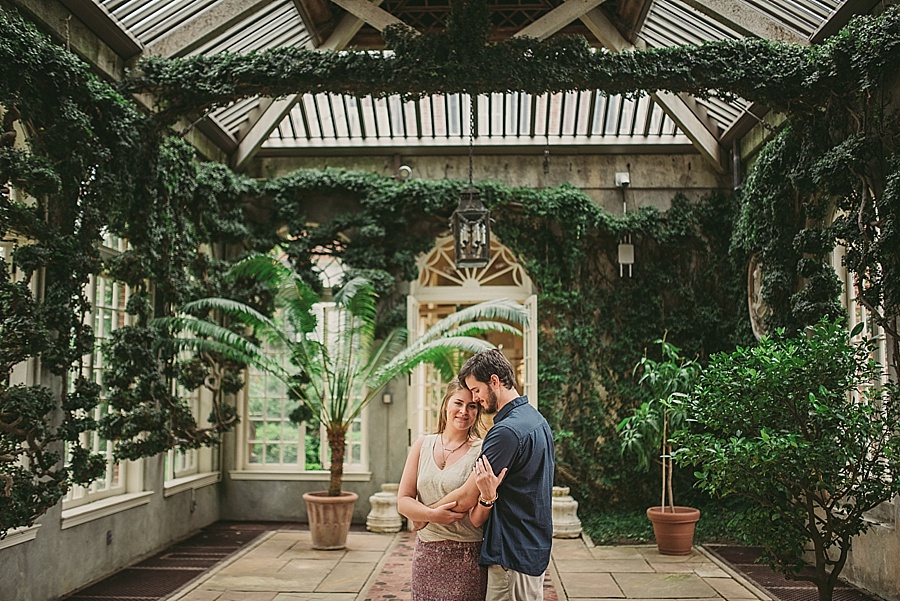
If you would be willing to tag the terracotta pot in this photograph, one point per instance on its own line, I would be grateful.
(674, 531)
(329, 518)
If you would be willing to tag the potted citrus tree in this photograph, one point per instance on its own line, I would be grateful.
(646, 434)
(336, 365)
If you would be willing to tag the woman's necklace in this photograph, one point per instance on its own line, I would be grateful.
(445, 454)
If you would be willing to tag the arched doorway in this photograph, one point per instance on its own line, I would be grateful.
(440, 290)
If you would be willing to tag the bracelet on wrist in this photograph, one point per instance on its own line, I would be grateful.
(485, 503)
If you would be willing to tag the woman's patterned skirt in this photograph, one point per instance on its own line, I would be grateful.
(447, 570)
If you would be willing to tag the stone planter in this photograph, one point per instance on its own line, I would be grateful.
(565, 517)
(384, 517)
(674, 531)
(329, 518)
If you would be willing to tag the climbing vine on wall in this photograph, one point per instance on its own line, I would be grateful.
(91, 162)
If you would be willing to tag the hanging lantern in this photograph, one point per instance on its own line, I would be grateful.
(626, 256)
(471, 224)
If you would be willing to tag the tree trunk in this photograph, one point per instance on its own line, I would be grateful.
(337, 439)
(825, 589)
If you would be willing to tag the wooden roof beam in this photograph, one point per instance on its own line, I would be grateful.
(99, 20)
(318, 16)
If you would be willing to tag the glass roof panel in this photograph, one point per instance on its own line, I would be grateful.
(149, 19)
(803, 16)
(520, 119)
(670, 23)
(278, 24)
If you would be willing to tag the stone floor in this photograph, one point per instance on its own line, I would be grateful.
(283, 566)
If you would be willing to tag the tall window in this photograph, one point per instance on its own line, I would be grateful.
(192, 467)
(108, 300)
(271, 441)
(183, 462)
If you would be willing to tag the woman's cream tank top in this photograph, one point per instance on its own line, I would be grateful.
(433, 483)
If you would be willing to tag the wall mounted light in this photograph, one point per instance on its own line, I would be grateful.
(626, 246)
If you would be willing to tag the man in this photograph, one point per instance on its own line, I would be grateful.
(519, 530)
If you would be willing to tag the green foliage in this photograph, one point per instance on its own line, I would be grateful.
(596, 325)
(801, 427)
(646, 432)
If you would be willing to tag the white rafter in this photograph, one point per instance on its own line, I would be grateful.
(205, 26)
(559, 17)
(369, 12)
(746, 20)
(266, 117)
(682, 109)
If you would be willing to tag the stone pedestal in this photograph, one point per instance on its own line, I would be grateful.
(565, 518)
(383, 516)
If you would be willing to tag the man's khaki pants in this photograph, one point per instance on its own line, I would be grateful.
(509, 585)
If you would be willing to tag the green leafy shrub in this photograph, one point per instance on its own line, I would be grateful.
(803, 428)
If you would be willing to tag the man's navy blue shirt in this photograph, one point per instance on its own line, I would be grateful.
(519, 532)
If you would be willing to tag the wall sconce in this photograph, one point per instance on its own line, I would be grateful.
(471, 222)
(626, 246)
(626, 256)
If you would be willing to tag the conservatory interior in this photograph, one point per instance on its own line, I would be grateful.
(678, 213)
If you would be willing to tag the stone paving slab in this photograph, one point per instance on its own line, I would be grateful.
(244, 596)
(664, 586)
(729, 588)
(614, 552)
(315, 597)
(606, 565)
(590, 586)
(346, 578)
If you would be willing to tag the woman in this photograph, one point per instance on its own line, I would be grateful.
(445, 562)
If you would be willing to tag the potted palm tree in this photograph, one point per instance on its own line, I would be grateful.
(647, 435)
(337, 367)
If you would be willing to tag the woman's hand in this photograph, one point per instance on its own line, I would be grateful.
(485, 479)
(444, 514)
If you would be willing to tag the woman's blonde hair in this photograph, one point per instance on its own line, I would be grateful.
(476, 429)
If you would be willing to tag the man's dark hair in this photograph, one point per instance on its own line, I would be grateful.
(487, 363)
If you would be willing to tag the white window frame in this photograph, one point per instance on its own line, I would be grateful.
(440, 283)
(190, 469)
(23, 373)
(122, 485)
(357, 438)
(884, 514)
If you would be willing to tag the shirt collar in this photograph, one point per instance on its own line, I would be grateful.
(516, 402)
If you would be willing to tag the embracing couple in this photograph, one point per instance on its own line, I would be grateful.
(483, 508)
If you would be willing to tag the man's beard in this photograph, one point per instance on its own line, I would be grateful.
(491, 406)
